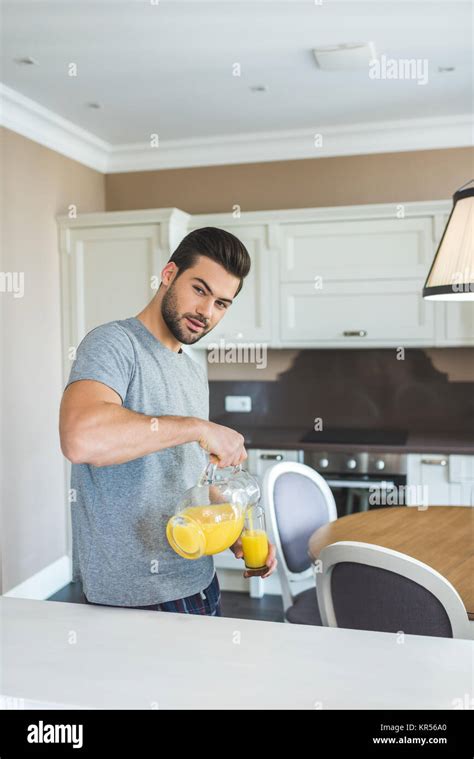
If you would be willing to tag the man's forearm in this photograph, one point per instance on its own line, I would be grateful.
(111, 434)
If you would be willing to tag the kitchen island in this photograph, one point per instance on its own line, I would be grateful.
(78, 656)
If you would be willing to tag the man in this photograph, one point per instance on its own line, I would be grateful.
(134, 422)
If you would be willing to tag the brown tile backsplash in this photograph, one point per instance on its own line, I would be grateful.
(356, 388)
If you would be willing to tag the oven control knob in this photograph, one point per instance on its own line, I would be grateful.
(380, 464)
(324, 463)
(351, 463)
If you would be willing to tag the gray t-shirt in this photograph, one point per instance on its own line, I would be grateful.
(120, 549)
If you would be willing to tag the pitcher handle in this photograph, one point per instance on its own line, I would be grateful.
(209, 473)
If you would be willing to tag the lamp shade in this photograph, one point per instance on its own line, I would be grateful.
(451, 276)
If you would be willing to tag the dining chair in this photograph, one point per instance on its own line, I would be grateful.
(369, 587)
(297, 501)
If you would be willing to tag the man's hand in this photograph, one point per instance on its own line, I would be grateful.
(271, 560)
(225, 445)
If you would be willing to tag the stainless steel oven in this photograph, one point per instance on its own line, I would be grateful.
(358, 480)
(363, 480)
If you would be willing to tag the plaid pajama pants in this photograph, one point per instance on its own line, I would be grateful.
(208, 601)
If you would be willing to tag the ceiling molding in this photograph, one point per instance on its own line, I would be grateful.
(32, 120)
(355, 139)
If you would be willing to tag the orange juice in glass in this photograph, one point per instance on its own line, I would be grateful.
(254, 539)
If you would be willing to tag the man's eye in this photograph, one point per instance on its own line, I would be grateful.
(198, 289)
(221, 304)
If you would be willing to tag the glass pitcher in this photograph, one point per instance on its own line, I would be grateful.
(210, 516)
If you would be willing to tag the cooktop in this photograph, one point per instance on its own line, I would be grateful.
(356, 436)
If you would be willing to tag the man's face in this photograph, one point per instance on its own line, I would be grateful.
(197, 300)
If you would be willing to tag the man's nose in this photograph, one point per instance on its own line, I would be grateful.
(205, 311)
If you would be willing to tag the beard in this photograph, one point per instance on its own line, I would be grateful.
(174, 320)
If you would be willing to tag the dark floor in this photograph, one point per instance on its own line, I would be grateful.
(233, 604)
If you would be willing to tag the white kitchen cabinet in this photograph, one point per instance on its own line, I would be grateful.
(359, 261)
(458, 321)
(372, 249)
(261, 459)
(355, 314)
(249, 318)
(111, 265)
(371, 264)
(455, 319)
(440, 480)
(356, 282)
(110, 269)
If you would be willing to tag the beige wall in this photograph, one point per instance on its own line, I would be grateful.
(350, 180)
(37, 184)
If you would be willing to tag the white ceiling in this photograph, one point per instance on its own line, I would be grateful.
(166, 68)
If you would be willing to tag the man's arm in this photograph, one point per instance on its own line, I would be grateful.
(95, 429)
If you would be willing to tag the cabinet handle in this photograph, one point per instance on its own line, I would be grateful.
(271, 456)
(439, 462)
(355, 333)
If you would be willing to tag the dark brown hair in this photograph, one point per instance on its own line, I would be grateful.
(223, 247)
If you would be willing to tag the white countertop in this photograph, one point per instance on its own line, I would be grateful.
(81, 656)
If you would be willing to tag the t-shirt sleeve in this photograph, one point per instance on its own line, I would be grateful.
(106, 355)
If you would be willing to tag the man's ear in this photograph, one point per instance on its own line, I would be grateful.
(169, 273)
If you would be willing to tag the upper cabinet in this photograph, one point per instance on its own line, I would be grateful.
(356, 282)
(323, 277)
(249, 315)
(375, 312)
(111, 265)
(342, 277)
(455, 323)
(356, 250)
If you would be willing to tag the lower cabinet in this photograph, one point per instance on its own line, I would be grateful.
(440, 480)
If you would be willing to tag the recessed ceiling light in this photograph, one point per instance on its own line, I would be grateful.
(94, 105)
(446, 69)
(26, 61)
(259, 88)
(345, 56)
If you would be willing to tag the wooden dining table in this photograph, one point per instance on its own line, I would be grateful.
(440, 536)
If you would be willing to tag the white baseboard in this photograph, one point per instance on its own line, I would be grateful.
(46, 582)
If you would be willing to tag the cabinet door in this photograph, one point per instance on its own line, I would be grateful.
(440, 480)
(248, 319)
(461, 478)
(356, 250)
(107, 274)
(259, 460)
(386, 312)
(459, 323)
(456, 320)
(113, 269)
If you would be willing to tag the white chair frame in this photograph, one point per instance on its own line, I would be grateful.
(271, 475)
(393, 561)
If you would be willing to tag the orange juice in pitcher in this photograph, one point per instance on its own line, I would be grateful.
(210, 516)
(204, 530)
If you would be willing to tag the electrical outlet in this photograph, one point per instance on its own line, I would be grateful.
(238, 403)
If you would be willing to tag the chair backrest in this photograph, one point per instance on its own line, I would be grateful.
(297, 501)
(368, 587)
